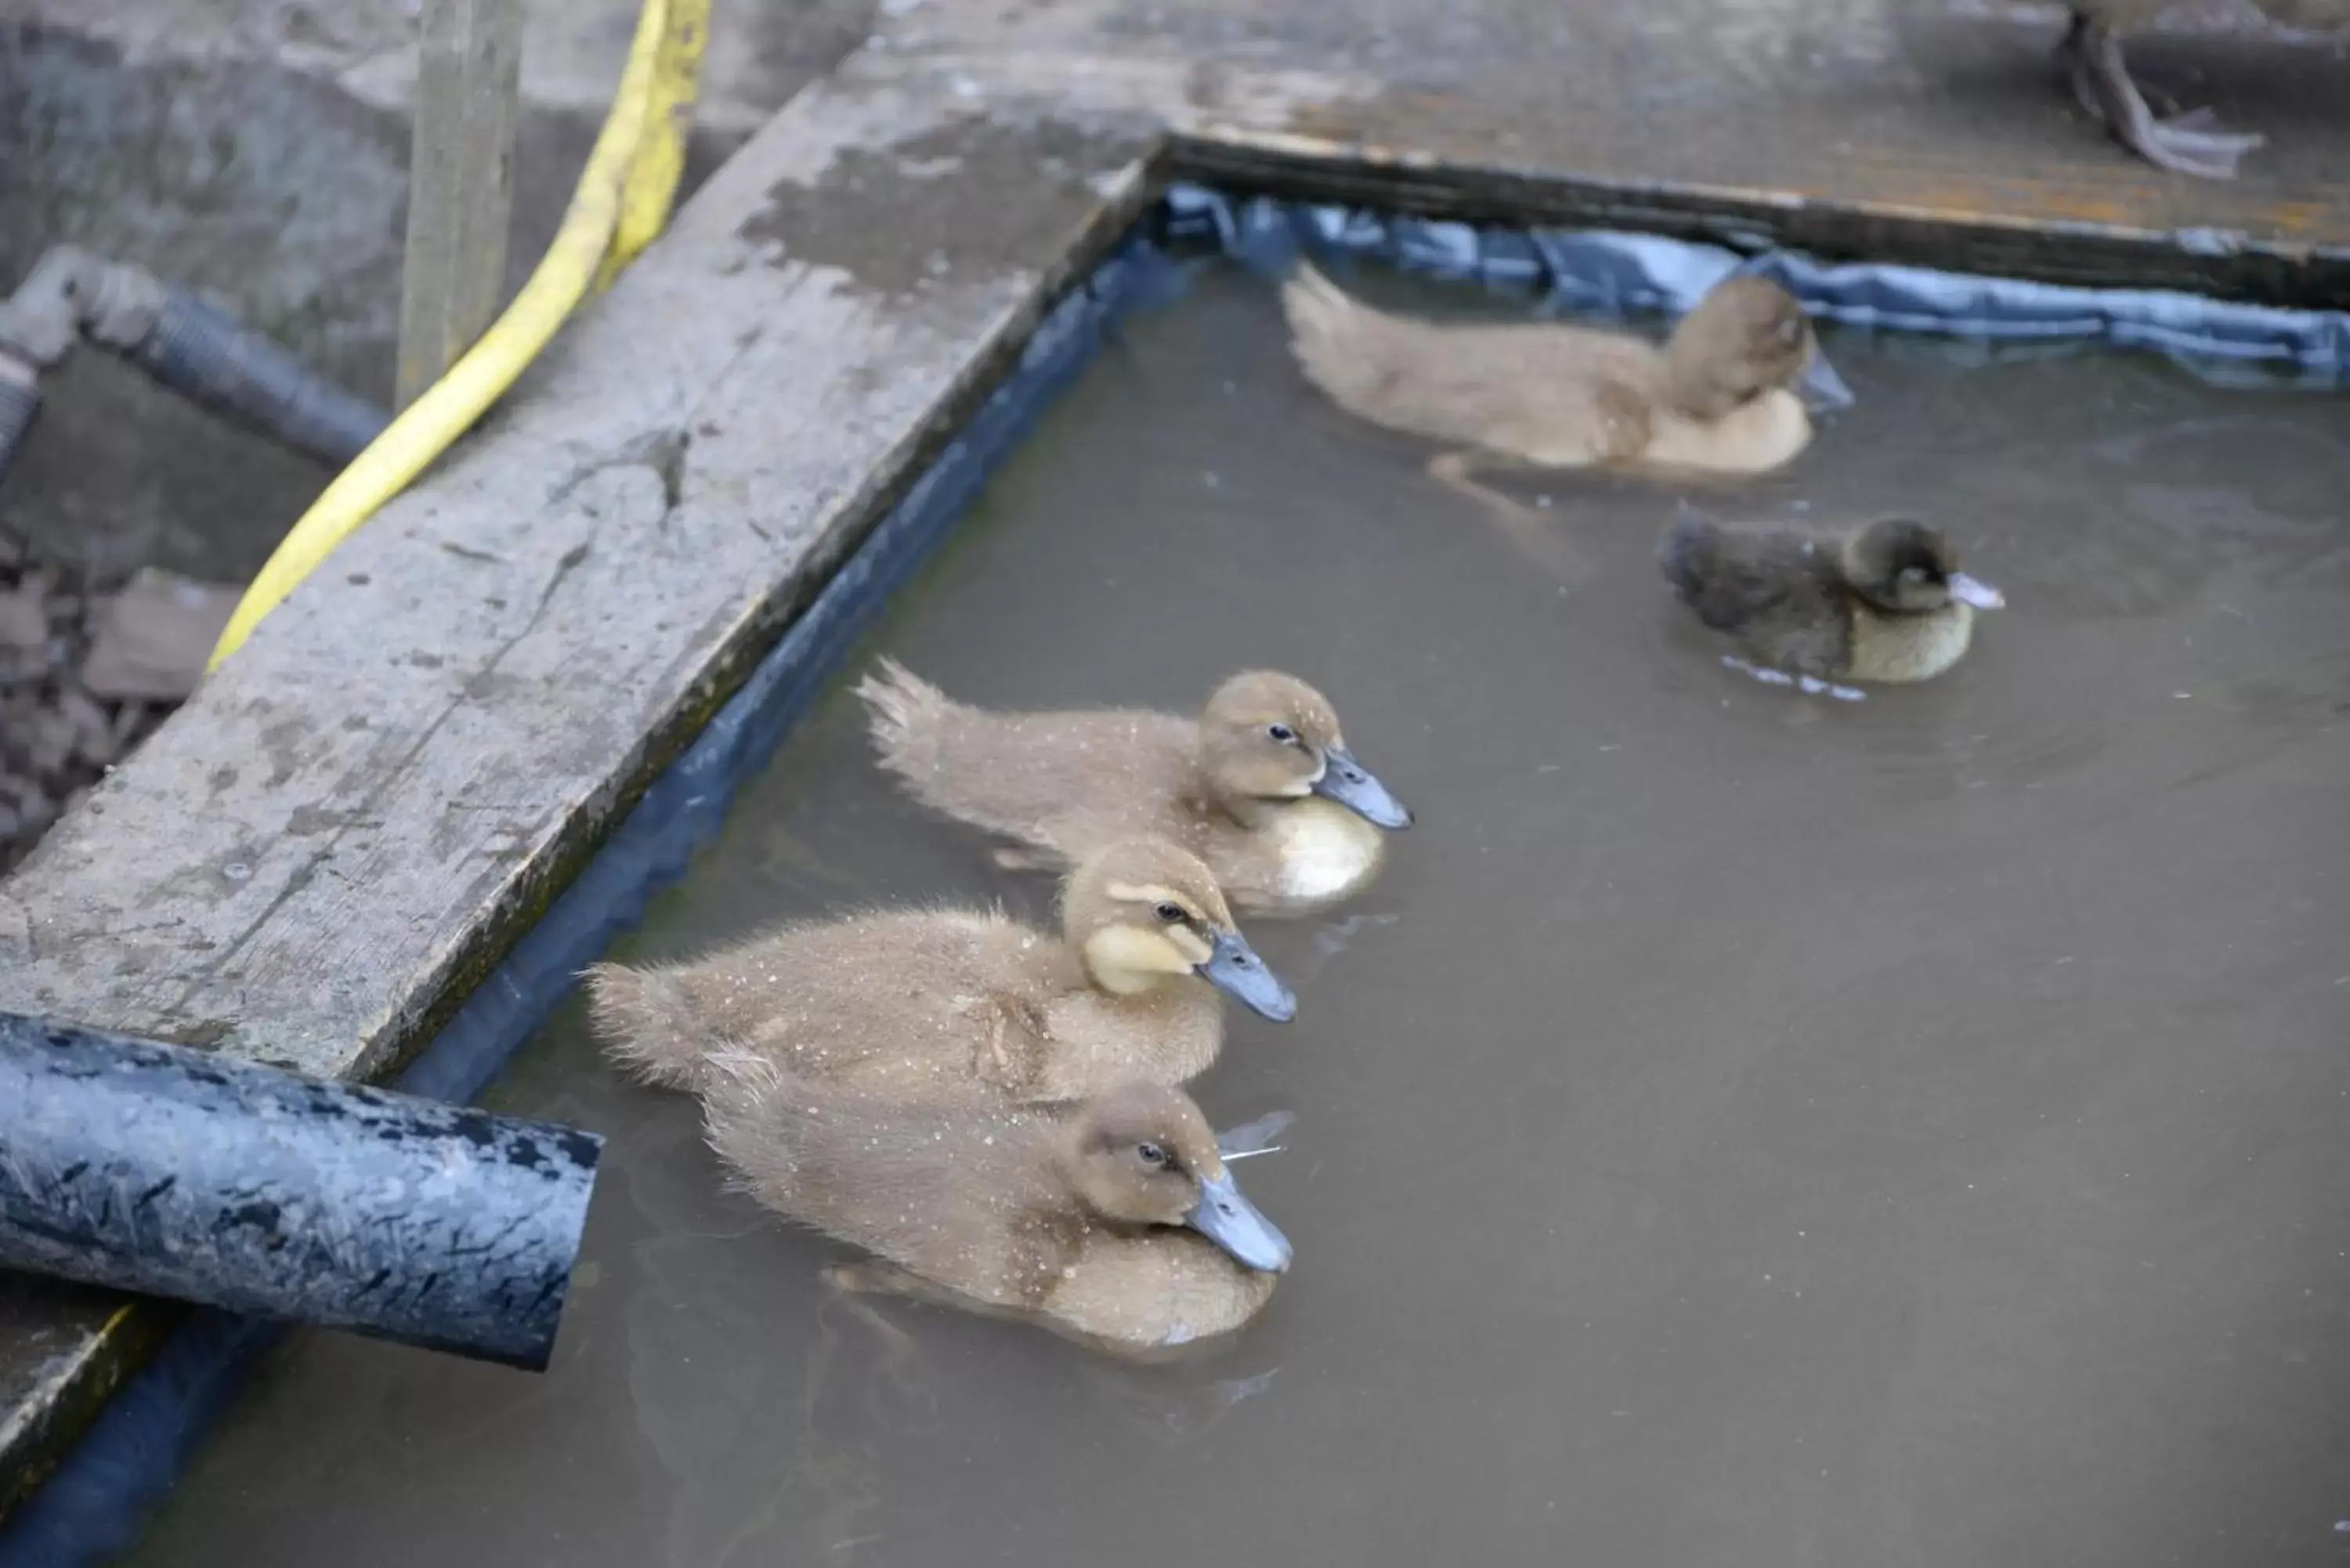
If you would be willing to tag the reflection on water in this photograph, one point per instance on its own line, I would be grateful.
(1739, 1129)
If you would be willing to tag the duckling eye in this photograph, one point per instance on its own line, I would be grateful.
(1150, 1153)
(1913, 574)
(1281, 733)
(1170, 913)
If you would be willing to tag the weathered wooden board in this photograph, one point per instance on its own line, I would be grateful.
(459, 184)
(1927, 128)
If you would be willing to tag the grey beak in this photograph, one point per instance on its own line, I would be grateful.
(1350, 783)
(1233, 967)
(1974, 591)
(1820, 387)
(1233, 1223)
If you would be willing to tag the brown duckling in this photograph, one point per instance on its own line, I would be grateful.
(1263, 787)
(1882, 602)
(1113, 1221)
(907, 1000)
(2190, 143)
(1715, 397)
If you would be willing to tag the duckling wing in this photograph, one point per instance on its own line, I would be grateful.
(1768, 588)
(1550, 394)
(903, 998)
(940, 1185)
(1062, 782)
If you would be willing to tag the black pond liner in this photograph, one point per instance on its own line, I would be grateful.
(96, 1505)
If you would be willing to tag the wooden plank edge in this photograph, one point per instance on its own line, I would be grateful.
(1247, 160)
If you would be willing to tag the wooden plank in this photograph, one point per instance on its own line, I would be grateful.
(319, 856)
(1910, 127)
(460, 184)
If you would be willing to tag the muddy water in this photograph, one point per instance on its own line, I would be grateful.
(1741, 1129)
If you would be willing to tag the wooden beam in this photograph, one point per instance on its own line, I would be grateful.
(460, 184)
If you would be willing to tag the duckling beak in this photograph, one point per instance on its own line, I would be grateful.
(1233, 966)
(1820, 387)
(1974, 591)
(1233, 1223)
(1350, 783)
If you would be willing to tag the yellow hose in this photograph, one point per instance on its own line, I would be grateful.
(621, 201)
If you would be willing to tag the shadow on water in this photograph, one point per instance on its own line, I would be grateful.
(1740, 1130)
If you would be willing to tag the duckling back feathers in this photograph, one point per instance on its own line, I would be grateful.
(973, 1194)
(1788, 597)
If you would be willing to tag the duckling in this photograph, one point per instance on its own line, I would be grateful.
(1715, 397)
(2191, 143)
(1113, 1221)
(1263, 787)
(1883, 602)
(911, 999)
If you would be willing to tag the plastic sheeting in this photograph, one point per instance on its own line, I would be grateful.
(1607, 274)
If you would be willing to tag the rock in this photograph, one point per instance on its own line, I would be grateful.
(83, 678)
(23, 618)
(151, 640)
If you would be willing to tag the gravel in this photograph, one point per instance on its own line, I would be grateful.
(85, 674)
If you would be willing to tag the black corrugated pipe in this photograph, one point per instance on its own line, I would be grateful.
(184, 344)
(200, 353)
(182, 1173)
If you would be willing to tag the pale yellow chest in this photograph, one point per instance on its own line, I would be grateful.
(1898, 648)
(1754, 438)
(1326, 851)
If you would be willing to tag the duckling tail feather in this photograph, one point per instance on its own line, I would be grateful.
(649, 1025)
(910, 720)
(1686, 553)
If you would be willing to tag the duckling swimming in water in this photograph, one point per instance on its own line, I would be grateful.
(1882, 602)
(908, 999)
(1715, 397)
(1113, 1221)
(1263, 787)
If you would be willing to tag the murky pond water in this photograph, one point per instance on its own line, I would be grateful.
(1739, 1130)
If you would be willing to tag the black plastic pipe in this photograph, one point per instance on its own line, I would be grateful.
(205, 356)
(181, 1173)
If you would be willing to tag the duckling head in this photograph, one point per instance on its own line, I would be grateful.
(1900, 565)
(1266, 737)
(1145, 912)
(1746, 338)
(1143, 1154)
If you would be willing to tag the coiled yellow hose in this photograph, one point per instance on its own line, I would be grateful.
(621, 204)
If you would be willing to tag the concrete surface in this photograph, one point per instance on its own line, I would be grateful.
(259, 152)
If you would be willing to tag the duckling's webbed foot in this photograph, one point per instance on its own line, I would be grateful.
(903, 1400)
(1810, 685)
(2189, 143)
(1535, 536)
(1025, 861)
(1262, 1135)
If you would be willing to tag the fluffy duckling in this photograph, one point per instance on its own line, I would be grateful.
(1113, 1221)
(1715, 397)
(2190, 143)
(1883, 602)
(909, 1000)
(1261, 787)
